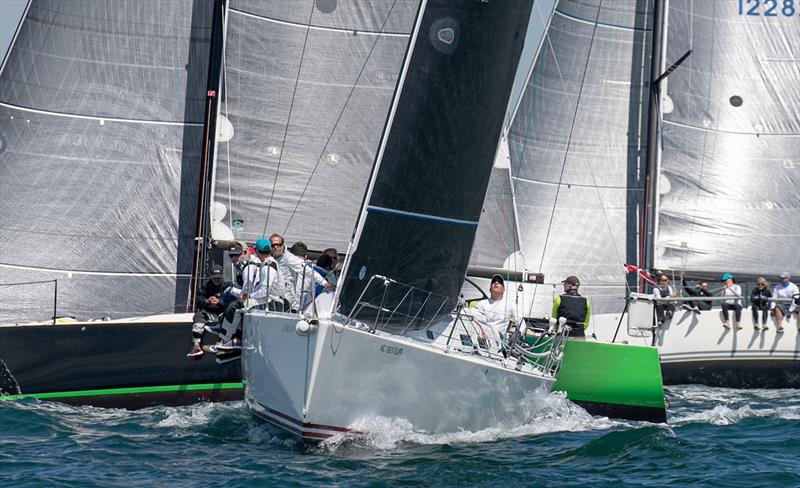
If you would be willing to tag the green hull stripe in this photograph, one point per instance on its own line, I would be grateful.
(126, 391)
(617, 374)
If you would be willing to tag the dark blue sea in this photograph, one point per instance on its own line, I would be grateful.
(715, 437)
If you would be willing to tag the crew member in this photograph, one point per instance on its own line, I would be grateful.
(573, 307)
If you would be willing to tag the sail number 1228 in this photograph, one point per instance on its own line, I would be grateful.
(769, 8)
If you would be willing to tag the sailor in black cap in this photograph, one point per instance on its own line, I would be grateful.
(573, 307)
(497, 310)
(209, 308)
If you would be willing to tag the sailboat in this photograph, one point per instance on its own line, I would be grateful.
(646, 138)
(316, 376)
(725, 191)
(103, 123)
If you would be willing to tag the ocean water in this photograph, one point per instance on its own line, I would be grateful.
(714, 437)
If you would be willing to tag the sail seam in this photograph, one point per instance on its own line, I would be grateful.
(99, 118)
(420, 216)
(705, 129)
(601, 24)
(579, 185)
(93, 273)
(319, 27)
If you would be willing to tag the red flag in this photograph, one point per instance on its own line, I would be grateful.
(642, 273)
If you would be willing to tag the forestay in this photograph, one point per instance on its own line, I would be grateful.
(101, 115)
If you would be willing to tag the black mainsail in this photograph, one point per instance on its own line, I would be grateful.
(421, 212)
(101, 114)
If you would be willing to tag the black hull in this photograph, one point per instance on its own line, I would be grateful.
(734, 373)
(128, 365)
(627, 412)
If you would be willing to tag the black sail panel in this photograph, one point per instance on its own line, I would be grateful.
(421, 216)
(101, 122)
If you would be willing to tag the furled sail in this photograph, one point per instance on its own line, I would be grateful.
(307, 88)
(577, 148)
(101, 123)
(421, 213)
(729, 185)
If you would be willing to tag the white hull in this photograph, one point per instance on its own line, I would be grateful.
(696, 348)
(325, 382)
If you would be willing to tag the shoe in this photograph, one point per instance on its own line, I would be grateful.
(229, 346)
(686, 306)
(765, 327)
(196, 351)
(779, 330)
(757, 327)
(696, 310)
(738, 326)
(726, 324)
(213, 349)
(214, 329)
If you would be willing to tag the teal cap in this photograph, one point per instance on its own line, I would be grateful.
(726, 276)
(263, 245)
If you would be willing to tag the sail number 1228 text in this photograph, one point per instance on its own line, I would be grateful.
(769, 8)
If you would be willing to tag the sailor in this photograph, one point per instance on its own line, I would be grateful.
(326, 267)
(333, 274)
(305, 286)
(497, 311)
(573, 307)
(664, 310)
(784, 289)
(759, 301)
(266, 289)
(700, 290)
(734, 291)
(292, 268)
(247, 277)
(209, 308)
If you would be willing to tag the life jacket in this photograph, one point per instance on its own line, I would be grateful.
(665, 290)
(241, 268)
(573, 308)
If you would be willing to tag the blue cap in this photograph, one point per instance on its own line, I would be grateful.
(263, 245)
(726, 276)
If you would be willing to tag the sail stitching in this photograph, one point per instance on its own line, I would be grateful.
(99, 118)
(323, 28)
(420, 216)
(92, 273)
(338, 119)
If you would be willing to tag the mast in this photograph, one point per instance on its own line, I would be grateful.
(647, 250)
(209, 137)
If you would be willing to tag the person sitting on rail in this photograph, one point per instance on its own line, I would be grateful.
(209, 308)
(699, 290)
(784, 289)
(734, 291)
(759, 302)
(293, 270)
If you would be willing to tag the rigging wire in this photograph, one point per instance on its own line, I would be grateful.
(288, 118)
(338, 118)
(571, 130)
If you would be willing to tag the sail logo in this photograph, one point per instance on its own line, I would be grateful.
(394, 350)
(444, 34)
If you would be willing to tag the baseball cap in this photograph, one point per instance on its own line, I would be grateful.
(235, 249)
(572, 280)
(216, 270)
(263, 245)
(786, 275)
(726, 276)
(498, 279)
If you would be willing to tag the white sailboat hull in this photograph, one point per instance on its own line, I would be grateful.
(323, 383)
(696, 348)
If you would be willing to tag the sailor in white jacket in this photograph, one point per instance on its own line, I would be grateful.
(293, 269)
